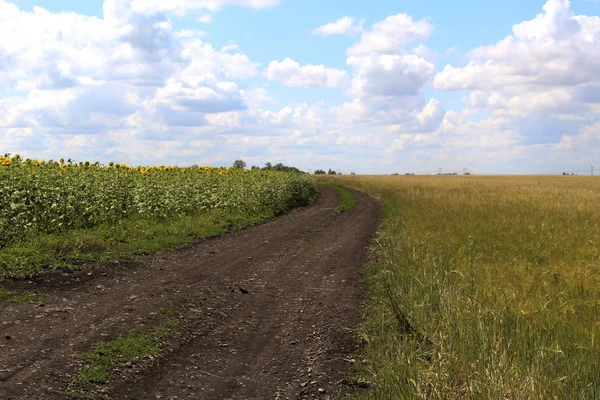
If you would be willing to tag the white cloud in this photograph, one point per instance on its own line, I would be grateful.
(390, 75)
(223, 97)
(124, 54)
(205, 18)
(130, 87)
(431, 115)
(587, 138)
(425, 52)
(206, 64)
(388, 36)
(205, 8)
(554, 49)
(388, 82)
(119, 86)
(343, 26)
(292, 74)
(539, 88)
(184, 6)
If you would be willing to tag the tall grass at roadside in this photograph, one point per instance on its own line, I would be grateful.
(484, 288)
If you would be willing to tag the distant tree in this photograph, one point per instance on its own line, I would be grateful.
(239, 164)
(255, 167)
(331, 172)
(320, 172)
(279, 167)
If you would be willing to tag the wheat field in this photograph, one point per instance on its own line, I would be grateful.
(483, 288)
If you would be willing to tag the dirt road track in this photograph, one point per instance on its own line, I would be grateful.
(281, 301)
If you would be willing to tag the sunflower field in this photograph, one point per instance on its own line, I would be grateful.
(56, 196)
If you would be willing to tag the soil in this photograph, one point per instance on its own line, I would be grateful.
(269, 312)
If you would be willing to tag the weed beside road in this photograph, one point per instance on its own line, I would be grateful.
(12, 297)
(347, 200)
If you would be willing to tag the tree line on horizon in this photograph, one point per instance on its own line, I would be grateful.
(241, 164)
(330, 172)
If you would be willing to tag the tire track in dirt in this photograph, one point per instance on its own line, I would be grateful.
(288, 338)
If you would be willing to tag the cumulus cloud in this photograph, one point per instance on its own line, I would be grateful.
(388, 36)
(390, 75)
(116, 66)
(293, 74)
(532, 98)
(224, 97)
(587, 138)
(389, 79)
(431, 115)
(343, 26)
(540, 84)
(129, 86)
(554, 49)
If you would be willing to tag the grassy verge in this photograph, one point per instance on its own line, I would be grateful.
(11, 297)
(347, 200)
(99, 365)
(125, 240)
(483, 288)
(104, 357)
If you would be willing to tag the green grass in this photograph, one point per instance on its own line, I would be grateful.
(173, 313)
(100, 362)
(202, 295)
(11, 297)
(125, 240)
(347, 200)
(483, 288)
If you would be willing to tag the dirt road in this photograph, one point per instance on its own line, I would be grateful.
(265, 313)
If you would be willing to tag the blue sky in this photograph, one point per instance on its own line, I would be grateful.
(392, 86)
